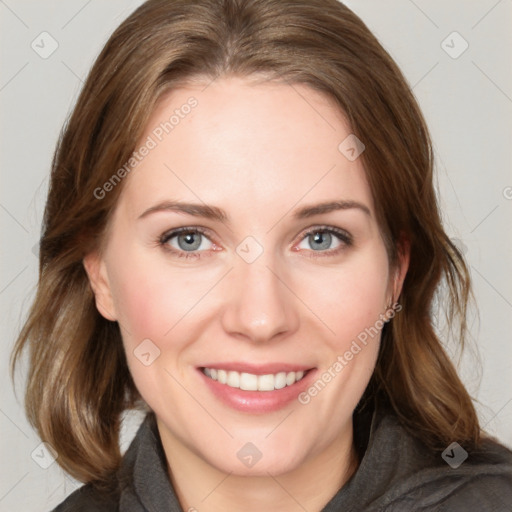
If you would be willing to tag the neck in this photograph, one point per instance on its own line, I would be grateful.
(200, 486)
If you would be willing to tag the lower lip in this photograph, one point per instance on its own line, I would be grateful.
(257, 401)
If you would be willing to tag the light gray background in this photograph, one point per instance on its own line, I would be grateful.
(467, 103)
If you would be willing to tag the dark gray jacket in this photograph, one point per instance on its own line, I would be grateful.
(397, 473)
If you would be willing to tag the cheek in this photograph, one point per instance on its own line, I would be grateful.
(140, 304)
(148, 305)
(153, 298)
(144, 299)
(350, 298)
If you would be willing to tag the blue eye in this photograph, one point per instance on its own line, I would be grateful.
(186, 240)
(325, 239)
(321, 240)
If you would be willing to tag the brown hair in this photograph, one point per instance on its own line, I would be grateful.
(79, 383)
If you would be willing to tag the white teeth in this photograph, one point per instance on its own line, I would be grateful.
(280, 381)
(266, 383)
(222, 376)
(233, 379)
(248, 381)
(252, 382)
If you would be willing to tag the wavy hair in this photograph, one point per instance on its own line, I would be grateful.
(78, 380)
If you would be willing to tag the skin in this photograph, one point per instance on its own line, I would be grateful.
(259, 151)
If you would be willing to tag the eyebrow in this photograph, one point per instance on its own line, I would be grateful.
(331, 206)
(195, 209)
(218, 214)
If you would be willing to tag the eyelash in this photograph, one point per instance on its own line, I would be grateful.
(180, 231)
(341, 234)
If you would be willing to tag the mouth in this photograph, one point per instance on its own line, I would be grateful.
(253, 388)
(253, 382)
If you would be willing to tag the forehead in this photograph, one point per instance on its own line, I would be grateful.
(241, 144)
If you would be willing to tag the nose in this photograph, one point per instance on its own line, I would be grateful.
(260, 305)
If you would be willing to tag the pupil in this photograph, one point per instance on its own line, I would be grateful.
(323, 240)
(189, 241)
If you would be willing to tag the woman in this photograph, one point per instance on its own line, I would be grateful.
(242, 237)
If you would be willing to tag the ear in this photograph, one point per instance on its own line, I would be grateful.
(96, 270)
(402, 265)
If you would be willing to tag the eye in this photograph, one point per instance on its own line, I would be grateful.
(326, 239)
(186, 240)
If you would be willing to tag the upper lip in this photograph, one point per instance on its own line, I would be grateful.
(258, 369)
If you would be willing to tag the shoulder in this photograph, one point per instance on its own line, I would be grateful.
(126, 488)
(405, 474)
(492, 493)
(483, 481)
(454, 479)
(90, 499)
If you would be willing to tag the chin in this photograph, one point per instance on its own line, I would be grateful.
(261, 458)
(272, 464)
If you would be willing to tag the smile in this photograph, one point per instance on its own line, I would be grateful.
(252, 382)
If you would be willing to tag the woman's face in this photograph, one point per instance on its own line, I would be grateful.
(254, 331)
